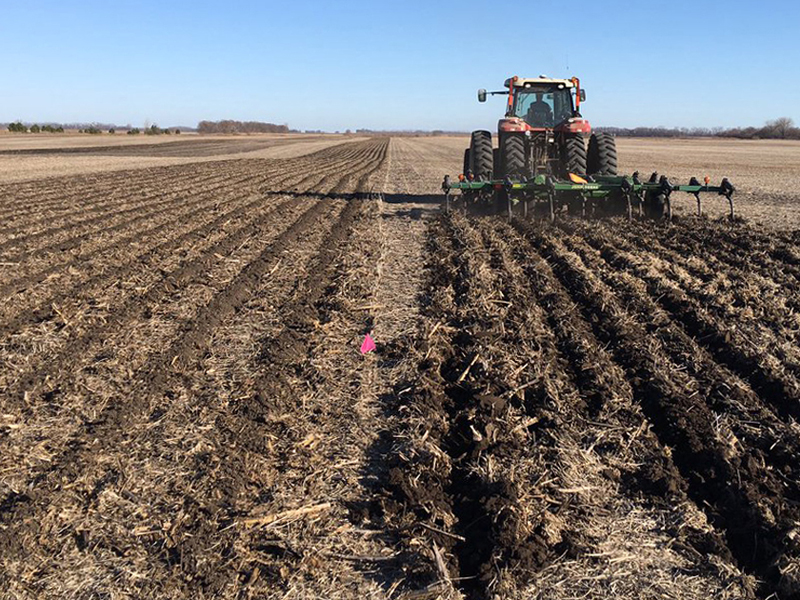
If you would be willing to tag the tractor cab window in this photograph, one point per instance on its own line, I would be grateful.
(543, 106)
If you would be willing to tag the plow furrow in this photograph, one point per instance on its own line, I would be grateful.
(151, 379)
(32, 392)
(515, 393)
(734, 491)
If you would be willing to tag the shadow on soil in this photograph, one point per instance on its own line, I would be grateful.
(415, 206)
(432, 199)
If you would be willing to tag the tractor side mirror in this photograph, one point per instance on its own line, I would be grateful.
(583, 95)
(481, 95)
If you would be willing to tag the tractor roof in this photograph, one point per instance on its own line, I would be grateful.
(541, 80)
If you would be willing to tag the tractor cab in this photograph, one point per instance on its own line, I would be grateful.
(536, 104)
(542, 106)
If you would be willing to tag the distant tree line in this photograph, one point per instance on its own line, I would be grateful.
(20, 128)
(662, 132)
(779, 129)
(230, 126)
(155, 130)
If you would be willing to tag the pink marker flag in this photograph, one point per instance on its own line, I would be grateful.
(368, 345)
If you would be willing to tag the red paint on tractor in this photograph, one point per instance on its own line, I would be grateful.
(577, 83)
(513, 124)
(574, 125)
(511, 94)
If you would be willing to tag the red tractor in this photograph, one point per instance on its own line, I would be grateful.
(542, 134)
(542, 161)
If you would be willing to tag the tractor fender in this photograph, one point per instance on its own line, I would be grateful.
(512, 125)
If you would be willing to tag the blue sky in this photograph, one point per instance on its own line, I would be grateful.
(395, 65)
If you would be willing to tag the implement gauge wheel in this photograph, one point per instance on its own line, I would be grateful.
(512, 152)
(481, 156)
(573, 154)
(602, 155)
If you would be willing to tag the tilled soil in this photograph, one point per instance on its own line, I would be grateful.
(191, 147)
(585, 409)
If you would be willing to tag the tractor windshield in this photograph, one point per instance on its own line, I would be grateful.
(543, 106)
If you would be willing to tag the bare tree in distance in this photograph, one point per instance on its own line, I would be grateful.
(231, 126)
(781, 126)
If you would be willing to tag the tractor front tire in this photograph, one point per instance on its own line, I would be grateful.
(512, 152)
(602, 155)
(481, 156)
(573, 155)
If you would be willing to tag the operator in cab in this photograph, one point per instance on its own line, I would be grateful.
(539, 113)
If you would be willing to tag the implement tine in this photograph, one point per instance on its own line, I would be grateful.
(727, 191)
(694, 181)
(446, 187)
(627, 190)
(551, 197)
(508, 185)
(640, 195)
(666, 190)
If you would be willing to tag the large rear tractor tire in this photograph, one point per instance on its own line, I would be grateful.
(573, 155)
(602, 155)
(481, 156)
(512, 152)
(466, 161)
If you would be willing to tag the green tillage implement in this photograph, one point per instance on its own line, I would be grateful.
(652, 195)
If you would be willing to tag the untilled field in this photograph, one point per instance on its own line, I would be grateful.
(27, 157)
(591, 409)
